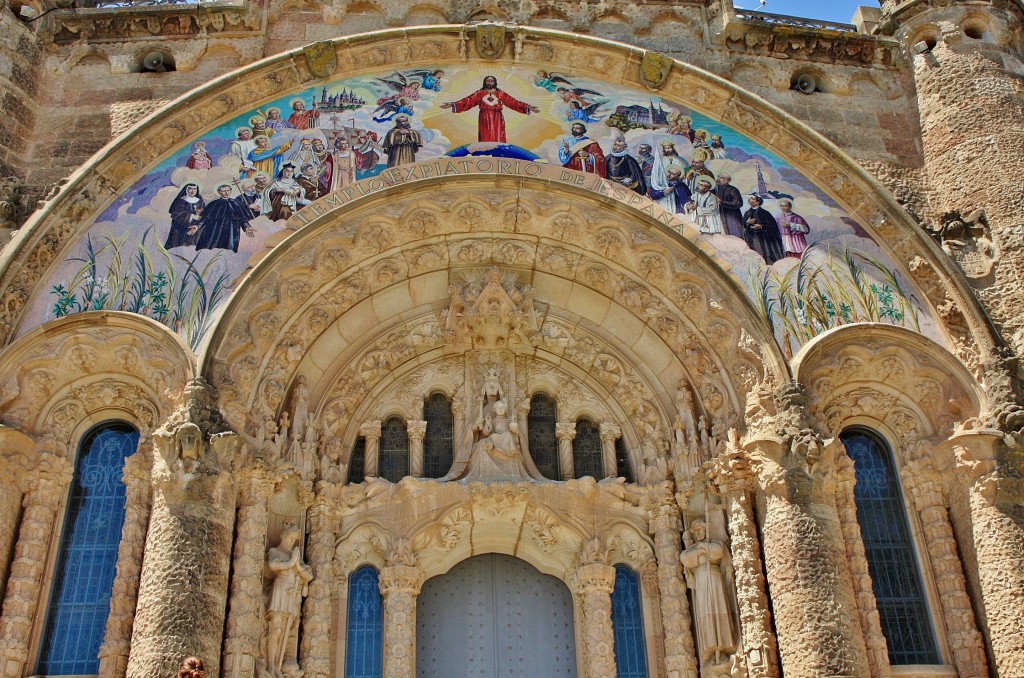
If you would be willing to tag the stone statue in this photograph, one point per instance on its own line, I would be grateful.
(10, 192)
(290, 584)
(189, 443)
(703, 560)
(495, 452)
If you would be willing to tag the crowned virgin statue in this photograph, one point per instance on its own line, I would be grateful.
(494, 453)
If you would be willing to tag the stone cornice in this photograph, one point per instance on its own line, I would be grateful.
(807, 43)
(164, 22)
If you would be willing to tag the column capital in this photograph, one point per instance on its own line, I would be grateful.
(610, 430)
(565, 430)
(370, 429)
(593, 578)
(400, 579)
(417, 429)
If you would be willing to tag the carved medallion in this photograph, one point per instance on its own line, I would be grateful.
(654, 69)
(321, 58)
(490, 40)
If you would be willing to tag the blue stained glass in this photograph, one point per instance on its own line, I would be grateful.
(364, 649)
(628, 625)
(892, 563)
(86, 564)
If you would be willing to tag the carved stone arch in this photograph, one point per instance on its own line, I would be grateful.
(360, 545)
(42, 242)
(266, 331)
(629, 544)
(100, 358)
(913, 386)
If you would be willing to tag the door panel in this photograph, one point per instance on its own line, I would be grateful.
(491, 616)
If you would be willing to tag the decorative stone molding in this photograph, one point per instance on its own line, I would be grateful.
(593, 582)
(870, 623)
(123, 598)
(46, 487)
(736, 481)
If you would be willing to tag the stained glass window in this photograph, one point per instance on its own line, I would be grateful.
(586, 450)
(540, 427)
(892, 562)
(357, 461)
(438, 444)
(86, 562)
(394, 450)
(623, 467)
(628, 625)
(364, 649)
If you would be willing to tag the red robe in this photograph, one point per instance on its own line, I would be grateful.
(492, 120)
(594, 164)
(301, 120)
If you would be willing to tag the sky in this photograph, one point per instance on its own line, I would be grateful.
(829, 10)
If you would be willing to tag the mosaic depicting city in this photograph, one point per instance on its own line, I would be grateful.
(177, 243)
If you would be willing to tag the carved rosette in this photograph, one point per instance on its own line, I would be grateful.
(593, 584)
(400, 584)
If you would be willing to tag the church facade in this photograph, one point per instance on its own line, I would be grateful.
(638, 339)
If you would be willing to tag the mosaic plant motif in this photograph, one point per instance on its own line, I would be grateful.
(175, 245)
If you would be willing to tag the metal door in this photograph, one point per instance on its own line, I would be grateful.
(494, 616)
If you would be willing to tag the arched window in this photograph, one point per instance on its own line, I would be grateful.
(623, 467)
(892, 562)
(628, 625)
(438, 444)
(586, 449)
(87, 559)
(394, 450)
(364, 649)
(540, 427)
(357, 461)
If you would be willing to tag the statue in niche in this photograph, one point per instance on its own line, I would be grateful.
(495, 453)
(290, 584)
(703, 561)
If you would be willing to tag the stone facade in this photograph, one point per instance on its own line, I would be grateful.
(492, 279)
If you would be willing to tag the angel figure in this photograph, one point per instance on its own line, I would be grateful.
(401, 87)
(549, 81)
(578, 94)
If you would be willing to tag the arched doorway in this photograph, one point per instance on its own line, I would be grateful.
(494, 615)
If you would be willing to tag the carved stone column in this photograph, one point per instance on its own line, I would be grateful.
(15, 447)
(680, 657)
(318, 610)
(995, 499)
(857, 561)
(732, 474)
(812, 596)
(610, 432)
(370, 431)
(566, 433)
(417, 429)
(184, 585)
(124, 596)
(925, 484)
(242, 643)
(593, 584)
(649, 584)
(46, 489)
(400, 584)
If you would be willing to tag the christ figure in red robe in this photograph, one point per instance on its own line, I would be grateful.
(491, 101)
